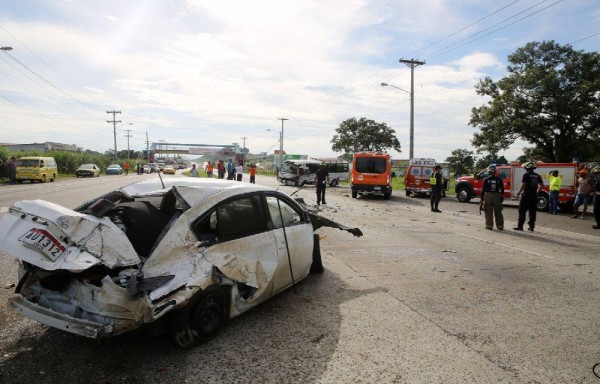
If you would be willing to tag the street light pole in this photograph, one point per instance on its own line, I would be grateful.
(128, 135)
(412, 63)
(281, 142)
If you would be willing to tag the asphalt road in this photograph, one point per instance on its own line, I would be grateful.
(420, 298)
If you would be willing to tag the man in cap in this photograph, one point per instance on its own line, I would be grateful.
(322, 178)
(491, 198)
(531, 185)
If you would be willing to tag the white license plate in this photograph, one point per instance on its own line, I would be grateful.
(377, 188)
(44, 242)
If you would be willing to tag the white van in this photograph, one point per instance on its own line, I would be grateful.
(298, 172)
(338, 171)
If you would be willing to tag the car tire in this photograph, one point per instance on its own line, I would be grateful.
(317, 263)
(463, 194)
(202, 319)
(334, 183)
(387, 196)
(53, 178)
(43, 179)
(354, 194)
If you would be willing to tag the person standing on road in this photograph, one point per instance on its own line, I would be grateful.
(12, 170)
(194, 171)
(492, 196)
(531, 185)
(209, 170)
(252, 173)
(596, 172)
(555, 185)
(436, 188)
(322, 178)
(583, 197)
(220, 169)
(126, 167)
(230, 170)
(239, 171)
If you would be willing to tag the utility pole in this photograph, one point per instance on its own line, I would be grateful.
(147, 147)
(114, 122)
(281, 142)
(244, 150)
(412, 63)
(128, 135)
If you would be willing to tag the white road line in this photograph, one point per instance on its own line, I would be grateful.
(504, 245)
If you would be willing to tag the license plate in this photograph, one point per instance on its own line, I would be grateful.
(377, 188)
(44, 242)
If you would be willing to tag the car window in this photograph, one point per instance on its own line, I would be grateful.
(288, 216)
(233, 219)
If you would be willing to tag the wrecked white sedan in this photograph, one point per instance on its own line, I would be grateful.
(187, 255)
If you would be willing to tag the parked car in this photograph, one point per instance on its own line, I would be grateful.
(88, 170)
(169, 170)
(146, 169)
(114, 169)
(185, 254)
(36, 168)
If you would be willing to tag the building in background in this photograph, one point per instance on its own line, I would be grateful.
(46, 146)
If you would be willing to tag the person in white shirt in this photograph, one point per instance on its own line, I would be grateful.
(238, 171)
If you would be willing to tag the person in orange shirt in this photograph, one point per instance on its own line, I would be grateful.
(126, 167)
(209, 170)
(252, 173)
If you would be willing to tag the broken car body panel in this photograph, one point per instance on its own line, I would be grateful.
(136, 254)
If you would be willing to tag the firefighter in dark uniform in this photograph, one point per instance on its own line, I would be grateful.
(491, 198)
(322, 178)
(596, 172)
(531, 185)
(436, 189)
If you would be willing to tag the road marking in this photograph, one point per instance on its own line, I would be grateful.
(505, 246)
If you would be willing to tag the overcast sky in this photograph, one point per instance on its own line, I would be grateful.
(214, 72)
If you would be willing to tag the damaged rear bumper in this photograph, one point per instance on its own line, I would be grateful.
(58, 320)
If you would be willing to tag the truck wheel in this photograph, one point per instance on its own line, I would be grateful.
(542, 202)
(407, 192)
(463, 194)
(387, 196)
(317, 264)
(202, 319)
(354, 194)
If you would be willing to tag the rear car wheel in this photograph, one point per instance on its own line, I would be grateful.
(43, 178)
(53, 178)
(354, 194)
(407, 192)
(334, 183)
(202, 319)
(317, 263)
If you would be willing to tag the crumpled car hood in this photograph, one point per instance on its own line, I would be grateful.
(83, 240)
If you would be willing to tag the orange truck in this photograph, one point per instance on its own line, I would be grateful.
(371, 174)
(468, 187)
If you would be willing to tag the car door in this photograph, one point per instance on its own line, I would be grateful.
(294, 233)
(240, 244)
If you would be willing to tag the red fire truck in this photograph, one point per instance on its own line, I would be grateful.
(468, 187)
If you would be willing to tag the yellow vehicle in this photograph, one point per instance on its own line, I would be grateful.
(36, 168)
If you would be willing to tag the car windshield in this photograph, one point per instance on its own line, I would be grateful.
(113, 166)
(28, 163)
(371, 164)
(87, 166)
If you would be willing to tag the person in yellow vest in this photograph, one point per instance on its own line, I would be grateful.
(555, 185)
(436, 188)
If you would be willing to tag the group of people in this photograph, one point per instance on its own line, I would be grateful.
(531, 185)
(12, 170)
(233, 172)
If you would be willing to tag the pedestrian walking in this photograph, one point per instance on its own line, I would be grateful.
(492, 197)
(239, 171)
(436, 188)
(194, 171)
(220, 169)
(322, 179)
(596, 172)
(555, 185)
(12, 170)
(583, 197)
(531, 185)
(209, 170)
(252, 173)
(230, 170)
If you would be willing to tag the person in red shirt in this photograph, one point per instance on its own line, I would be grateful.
(126, 167)
(252, 173)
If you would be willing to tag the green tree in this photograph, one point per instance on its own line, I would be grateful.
(491, 158)
(549, 98)
(461, 161)
(363, 135)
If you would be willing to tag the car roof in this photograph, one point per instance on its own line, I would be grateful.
(192, 189)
